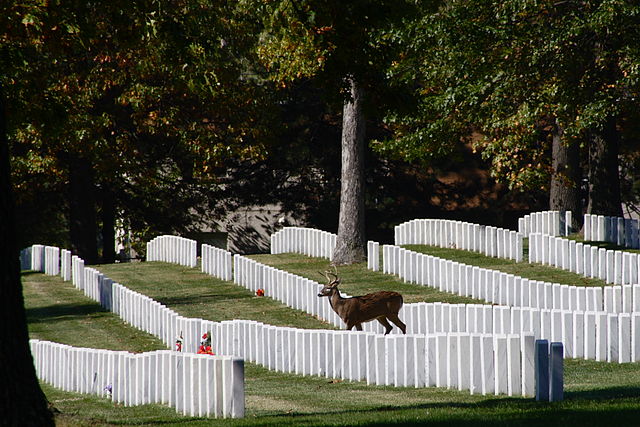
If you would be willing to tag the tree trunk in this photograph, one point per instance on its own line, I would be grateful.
(22, 402)
(350, 244)
(108, 225)
(604, 177)
(564, 194)
(82, 209)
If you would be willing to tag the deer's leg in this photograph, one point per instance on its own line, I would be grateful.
(383, 321)
(396, 320)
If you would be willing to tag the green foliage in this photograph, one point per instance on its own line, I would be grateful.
(329, 40)
(154, 96)
(510, 70)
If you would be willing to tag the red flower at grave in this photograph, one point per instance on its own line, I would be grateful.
(205, 350)
(205, 344)
(179, 342)
(260, 292)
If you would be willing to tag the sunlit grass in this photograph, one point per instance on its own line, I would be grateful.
(194, 294)
(57, 311)
(356, 279)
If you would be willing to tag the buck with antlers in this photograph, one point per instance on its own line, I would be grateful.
(354, 311)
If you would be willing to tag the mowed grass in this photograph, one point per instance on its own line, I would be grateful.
(192, 293)
(57, 311)
(356, 279)
(595, 393)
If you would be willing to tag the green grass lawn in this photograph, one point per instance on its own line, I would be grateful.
(57, 311)
(192, 293)
(595, 393)
(356, 279)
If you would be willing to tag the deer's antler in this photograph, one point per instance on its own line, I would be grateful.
(326, 276)
(335, 275)
(336, 278)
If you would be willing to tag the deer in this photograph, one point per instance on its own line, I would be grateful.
(354, 311)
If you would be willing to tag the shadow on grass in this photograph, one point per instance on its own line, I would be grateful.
(582, 407)
(579, 408)
(59, 312)
(605, 394)
(29, 273)
(202, 298)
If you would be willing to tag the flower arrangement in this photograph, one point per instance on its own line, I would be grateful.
(205, 344)
(179, 343)
(260, 292)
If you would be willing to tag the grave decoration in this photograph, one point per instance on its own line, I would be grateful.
(205, 344)
(109, 389)
(179, 342)
(260, 292)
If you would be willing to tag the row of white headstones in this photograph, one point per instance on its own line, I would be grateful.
(508, 358)
(182, 251)
(596, 323)
(194, 384)
(516, 369)
(589, 334)
(612, 266)
(618, 230)
(619, 266)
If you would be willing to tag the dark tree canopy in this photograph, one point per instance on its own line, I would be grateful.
(154, 116)
(124, 106)
(521, 74)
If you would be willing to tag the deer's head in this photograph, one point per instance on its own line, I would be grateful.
(332, 283)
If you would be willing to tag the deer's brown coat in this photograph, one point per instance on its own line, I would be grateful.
(382, 306)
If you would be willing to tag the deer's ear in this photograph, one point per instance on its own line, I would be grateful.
(335, 283)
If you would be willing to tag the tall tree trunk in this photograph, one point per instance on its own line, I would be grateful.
(22, 402)
(350, 244)
(604, 177)
(82, 209)
(564, 194)
(108, 225)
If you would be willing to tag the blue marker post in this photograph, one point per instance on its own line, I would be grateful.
(556, 372)
(542, 370)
